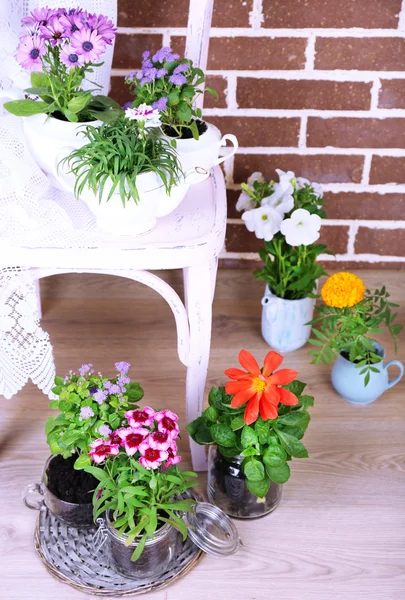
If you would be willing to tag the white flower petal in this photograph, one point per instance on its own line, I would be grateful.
(264, 221)
(256, 176)
(245, 202)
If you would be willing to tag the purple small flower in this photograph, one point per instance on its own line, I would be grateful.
(114, 389)
(105, 430)
(86, 412)
(178, 79)
(127, 105)
(122, 367)
(145, 54)
(123, 380)
(100, 396)
(92, 390)
(181, 68)
(147, 64)
(160, 104)
(84, 369)
(165, 54)
(161, 73)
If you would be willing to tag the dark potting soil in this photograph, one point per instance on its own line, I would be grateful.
(186, 132)
(346, 356)
(68, 484)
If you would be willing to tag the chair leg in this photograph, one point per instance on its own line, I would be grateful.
(38, 294)
(197, 282)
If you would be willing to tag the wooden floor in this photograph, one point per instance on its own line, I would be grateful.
(340, 530)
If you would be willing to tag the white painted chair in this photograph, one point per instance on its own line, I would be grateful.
(189, 239)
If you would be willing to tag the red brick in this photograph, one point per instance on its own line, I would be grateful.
(239, 239)
(120, 91)
(258, 131)
(366, 205)
(322, 168)
(370, 54)
(297, 94)
(392, 93)
(128, 49)
(387, 169)
(386, 242)
(373, 14)
(232, 198)
(356, 133)
(245, 53)
(174, 13)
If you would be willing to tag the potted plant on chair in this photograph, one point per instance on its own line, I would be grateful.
(60, 47)
(171, 85)
(90, 408)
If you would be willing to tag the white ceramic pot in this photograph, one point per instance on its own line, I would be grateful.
(204, 152)
(135, 218)
(283, 321)
(50, 140)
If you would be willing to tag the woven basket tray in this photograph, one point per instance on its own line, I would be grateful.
(74, 557)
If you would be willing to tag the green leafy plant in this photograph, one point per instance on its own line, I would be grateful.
(287, 216)
(116, 154)
(348, 322)
(89, 405)
(267, 446)
(170, 85)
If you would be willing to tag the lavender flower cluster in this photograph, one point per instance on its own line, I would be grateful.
(80, 37)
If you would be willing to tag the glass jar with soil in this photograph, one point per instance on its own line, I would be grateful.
(66, 492)
(227, 488)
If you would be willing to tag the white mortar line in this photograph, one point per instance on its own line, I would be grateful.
(353, 229)
(381, 113)
(166, 39)
(231, 92)
(328, 150)
(300, 75)
(354, 224)
(228, 165)
(375, 92)
(365, 178)
(256, 17)
(302, 137)
(370, 258)
(401, 22)
(254, 31)
(310, 54)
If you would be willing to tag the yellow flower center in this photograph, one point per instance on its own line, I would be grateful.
(264, 217)
(259, 384)
(343, 290)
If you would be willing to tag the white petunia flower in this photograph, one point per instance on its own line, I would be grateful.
(302, 228)
(263, 221)
(317, 188)
(256, 176)
(245, 202)
(282, 199)
(144, 113)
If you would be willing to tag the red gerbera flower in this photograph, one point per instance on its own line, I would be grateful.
(260, 387)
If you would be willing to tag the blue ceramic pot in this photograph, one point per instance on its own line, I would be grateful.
(349, 384)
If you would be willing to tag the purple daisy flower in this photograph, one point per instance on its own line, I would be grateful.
(39, 16)
(70, 58)
(29, 52)
(178, 79)
(103, 26)
(72, 22)
(53, 31)
(161, 103)
(88, 43)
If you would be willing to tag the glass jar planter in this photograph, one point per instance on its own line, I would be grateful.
(156, 556)
(227, 488)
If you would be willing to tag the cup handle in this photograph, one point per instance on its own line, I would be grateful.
(400, 366)
(195, 175)
(60, 169)
(30, 490)
(232, 138)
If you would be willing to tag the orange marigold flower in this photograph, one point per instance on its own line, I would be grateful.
(260, 387)
(343, 290)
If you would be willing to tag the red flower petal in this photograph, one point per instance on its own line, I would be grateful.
(272, 395)
(236, 374)
(252, 410)
(249, 362)
(267, 411)
(242, 397)
(287, 397)
(272, 361)
(282, 377)
(233, 387)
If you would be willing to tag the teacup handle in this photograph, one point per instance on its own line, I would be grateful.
(400, 366)
(30, 490)
(232, 138)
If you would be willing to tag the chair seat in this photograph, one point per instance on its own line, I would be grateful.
(191, 235)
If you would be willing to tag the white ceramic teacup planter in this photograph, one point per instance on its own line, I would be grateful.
(349, 383)
(284, 321)
(204, 152)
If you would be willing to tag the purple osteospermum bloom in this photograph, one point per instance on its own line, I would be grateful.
(86, 412)
(88, 43)
(122, 367)
(178, 79)
(100, 396)
(72, 22)
(103, 26)
(53, 31)
(84, 369)
(160, 104)
(39, 16)
(70, 57)
(29, 52)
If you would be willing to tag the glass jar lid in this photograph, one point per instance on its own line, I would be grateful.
(212, 530)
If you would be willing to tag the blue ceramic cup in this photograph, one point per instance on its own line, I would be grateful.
(349, 384)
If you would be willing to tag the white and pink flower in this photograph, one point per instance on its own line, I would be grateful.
(100, 449)
(167, 423)
(160, 440)
(173, 458)
(141, 418)
(151, 458)
(132, 438)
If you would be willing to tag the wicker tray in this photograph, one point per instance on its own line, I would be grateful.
(70, 555)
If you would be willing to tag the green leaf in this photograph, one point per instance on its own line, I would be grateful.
(39, 79)
(259, 488)
(184, 112)
(77, 103)
(211, 414)
(82, 461)
(306, 401)
(237, 423)
(26, 108)
(279, 474)
(229, 452)
(58, 380)
(253, 470)
(139, 549)
(53, 442)
(223, 435)
(174, 98)
(98, 473)
(296, 387)
(251, 451)
(134, 391)
(292, 445)
(70, 115)
(114, 420)
(295, 419)
(262, 427)
(274, 456)
(248, 437)
(215, 397)
(50, 425)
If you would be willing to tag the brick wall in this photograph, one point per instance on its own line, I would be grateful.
(314, 86)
